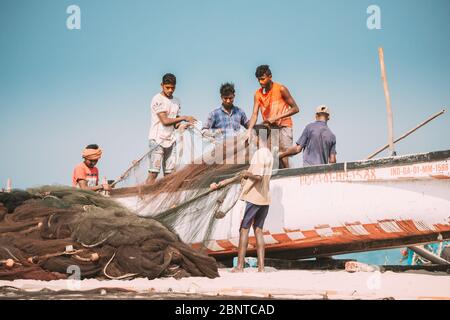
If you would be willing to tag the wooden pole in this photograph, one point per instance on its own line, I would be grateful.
(408, 133)
(388, 102)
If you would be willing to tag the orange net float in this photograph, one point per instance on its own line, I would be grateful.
(9, 263)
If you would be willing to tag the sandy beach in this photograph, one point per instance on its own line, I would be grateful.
(274, 284)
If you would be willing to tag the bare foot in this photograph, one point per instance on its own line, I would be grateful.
(237, 270)
(261, 269)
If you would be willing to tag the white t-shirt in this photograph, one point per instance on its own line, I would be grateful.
(261, 165)
(164, 135)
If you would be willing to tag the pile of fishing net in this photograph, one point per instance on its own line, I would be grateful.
(50, 232)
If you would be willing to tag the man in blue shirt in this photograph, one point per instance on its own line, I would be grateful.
(227, 119)
(317, 141)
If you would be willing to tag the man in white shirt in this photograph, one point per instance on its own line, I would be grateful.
(165, 118)
(255, 192)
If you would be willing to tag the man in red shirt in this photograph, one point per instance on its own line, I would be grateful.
(277, 107)
(85, 174)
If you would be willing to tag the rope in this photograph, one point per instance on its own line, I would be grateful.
(112, 233)
(34, 259)
(50, 196)
(10, 253)
(135, 164)
(128, 275)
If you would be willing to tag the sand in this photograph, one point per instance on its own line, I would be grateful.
(277, 284)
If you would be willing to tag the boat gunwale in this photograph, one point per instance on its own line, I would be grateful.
(327, 168)
(363, 164)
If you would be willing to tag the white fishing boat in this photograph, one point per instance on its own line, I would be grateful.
(331, 209)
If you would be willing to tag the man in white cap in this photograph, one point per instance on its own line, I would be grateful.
(317, 141)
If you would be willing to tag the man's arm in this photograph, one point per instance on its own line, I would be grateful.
(207, 130)
(223, 183)
(242, 175)
(166, 121)
(299, 145)
(253, 179)
(291, 103)
(291, 151)
(254, 117)
(332, 158)
(249, 175)
(244, 120)
(209, 122)
(84, 186)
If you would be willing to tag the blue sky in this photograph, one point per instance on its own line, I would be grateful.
(61, 89)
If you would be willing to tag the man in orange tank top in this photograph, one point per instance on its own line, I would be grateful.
(277, 107)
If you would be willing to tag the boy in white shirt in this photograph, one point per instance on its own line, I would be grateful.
(165, 118)
(255, 192)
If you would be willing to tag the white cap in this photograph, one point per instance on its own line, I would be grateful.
(323, 109)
